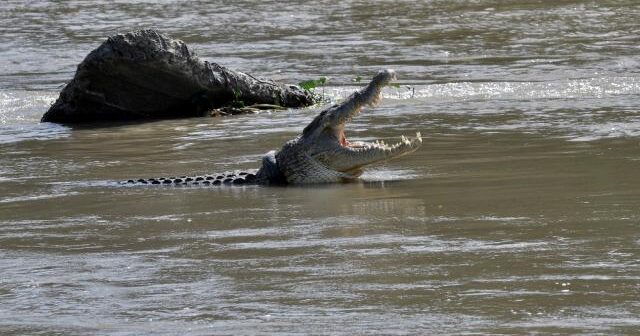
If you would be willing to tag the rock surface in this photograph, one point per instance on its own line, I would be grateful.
(146, 75)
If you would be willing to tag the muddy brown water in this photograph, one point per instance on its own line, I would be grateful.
(519, 214)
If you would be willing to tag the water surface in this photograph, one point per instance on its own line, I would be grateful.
(518, 215)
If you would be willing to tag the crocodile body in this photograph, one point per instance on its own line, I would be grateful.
(321, 154)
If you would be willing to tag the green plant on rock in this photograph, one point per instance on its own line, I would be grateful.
(311, 84)
(237, 101)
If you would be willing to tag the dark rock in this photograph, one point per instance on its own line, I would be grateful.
(146, 75)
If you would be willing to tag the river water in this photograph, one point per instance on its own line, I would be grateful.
(519, 214)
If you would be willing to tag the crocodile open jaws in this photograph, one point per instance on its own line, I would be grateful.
(321, 154)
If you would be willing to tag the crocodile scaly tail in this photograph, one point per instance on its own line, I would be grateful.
(227, 178)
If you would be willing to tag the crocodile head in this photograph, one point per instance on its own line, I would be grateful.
(328, 152)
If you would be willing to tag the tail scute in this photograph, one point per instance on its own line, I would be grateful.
(227, 178)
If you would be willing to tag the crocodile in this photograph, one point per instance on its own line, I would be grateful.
(320, 154)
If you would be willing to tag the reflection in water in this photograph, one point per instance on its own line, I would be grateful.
(518, 215)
